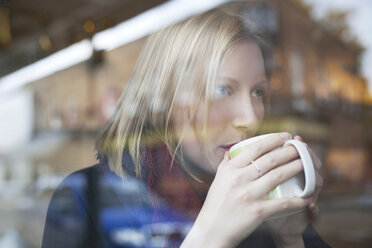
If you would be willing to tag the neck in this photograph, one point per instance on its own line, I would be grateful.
(193, 170)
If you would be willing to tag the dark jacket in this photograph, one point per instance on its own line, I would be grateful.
(95, 208)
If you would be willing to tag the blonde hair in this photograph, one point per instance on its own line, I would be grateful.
(182, 58)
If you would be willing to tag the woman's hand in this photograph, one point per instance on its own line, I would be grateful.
(288, 230)
(236, 203)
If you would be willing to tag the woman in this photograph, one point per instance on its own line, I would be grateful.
(199, 87)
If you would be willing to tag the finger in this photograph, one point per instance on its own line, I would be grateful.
(319, 180)
(318, 186)
(316, 161)
(274, 206)
(278, 175)
(225, 159)
(315, 210)
(312, 211)
(226, 156)
(259, 148)
(312, 207)
(271, 160)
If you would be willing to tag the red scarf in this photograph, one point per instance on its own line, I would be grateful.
(168, 180)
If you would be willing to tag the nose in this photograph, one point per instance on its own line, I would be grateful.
(246, 116)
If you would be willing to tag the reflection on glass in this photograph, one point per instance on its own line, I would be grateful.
(51, 124)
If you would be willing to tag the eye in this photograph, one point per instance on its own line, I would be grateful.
(222, 91)
(258, 92)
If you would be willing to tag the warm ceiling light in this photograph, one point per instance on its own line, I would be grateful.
(5, 34)
(45, 43)
(89, 26)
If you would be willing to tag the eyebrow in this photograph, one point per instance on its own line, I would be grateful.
(263, 82)
(228, 79)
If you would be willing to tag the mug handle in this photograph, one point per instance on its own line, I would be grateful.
(309, 171)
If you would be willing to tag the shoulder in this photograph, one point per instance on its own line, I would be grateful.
(97, 177)
(76, 182)
(70, 195)
(98, 186)
(79, 177)
(91, 204)
(66, 221)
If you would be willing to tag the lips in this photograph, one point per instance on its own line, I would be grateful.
(227, 147)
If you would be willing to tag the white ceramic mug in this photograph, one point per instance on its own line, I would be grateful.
(301, 185)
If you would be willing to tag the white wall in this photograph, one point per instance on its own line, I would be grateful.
(16, 120)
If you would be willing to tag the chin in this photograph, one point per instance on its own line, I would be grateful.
(217, 158)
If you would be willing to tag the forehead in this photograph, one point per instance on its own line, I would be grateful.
(244, 60)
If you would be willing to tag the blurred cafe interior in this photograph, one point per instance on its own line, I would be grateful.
(64, 64)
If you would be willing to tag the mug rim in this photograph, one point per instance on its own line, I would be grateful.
(249, 141)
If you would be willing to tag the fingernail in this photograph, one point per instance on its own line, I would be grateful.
(285, 135)
(226, 155)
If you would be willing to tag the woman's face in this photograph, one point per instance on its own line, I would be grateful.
(236, 109)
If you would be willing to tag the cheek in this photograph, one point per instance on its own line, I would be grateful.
(220, 114)
(259, 108)
(219, 117)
